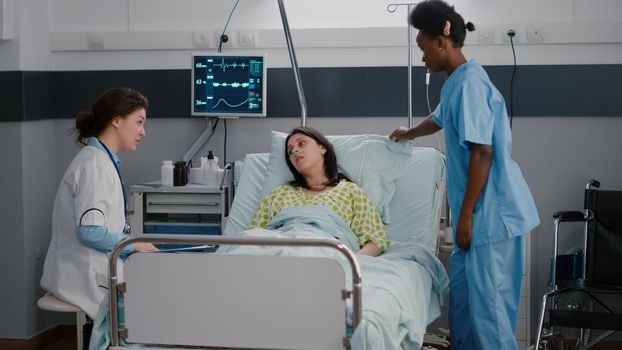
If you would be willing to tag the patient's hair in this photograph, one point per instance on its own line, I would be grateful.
(430, 17)
(116, 102)
(330, 159)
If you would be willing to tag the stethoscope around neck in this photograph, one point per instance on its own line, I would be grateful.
(126, 227)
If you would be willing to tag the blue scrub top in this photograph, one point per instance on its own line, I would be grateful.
(473, 111)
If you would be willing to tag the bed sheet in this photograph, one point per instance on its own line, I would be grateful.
(402, 288)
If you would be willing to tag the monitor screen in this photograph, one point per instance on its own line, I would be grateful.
(228, 85)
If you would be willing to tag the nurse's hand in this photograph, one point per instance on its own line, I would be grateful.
(463, 232)
(400, 134)
(145, 247)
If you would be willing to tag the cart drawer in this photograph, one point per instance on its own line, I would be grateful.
(180, 203)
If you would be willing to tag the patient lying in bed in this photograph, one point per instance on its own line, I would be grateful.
(311, 159)
(402, 289)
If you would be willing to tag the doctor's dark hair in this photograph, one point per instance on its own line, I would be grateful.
(430, 17)
(330, 159)
(116, 102)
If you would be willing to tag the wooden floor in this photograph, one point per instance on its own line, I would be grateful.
(60, 344)
(61, 337)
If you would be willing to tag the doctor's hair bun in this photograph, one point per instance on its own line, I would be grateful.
(437, 18)
(88, 126)
(116, 102)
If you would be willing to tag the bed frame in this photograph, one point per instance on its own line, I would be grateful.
(309, 311)
(230, 301)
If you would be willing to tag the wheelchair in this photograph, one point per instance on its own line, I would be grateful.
(585, 288)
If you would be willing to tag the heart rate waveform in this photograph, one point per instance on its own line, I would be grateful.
(233, 85)
(224, 65)
(228, 104)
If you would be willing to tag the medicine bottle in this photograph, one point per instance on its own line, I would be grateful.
(166, 173)
(180, 174)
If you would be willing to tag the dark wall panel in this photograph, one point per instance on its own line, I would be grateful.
(168, 91)
(11, 96)
(572, 90)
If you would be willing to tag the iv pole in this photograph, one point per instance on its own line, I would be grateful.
(292, 57)
(392, 8)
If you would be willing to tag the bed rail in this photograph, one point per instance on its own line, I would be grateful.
(225, 240)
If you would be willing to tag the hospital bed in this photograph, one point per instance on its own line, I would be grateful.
(303, 298)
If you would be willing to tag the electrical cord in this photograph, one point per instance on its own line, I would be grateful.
(208, 138)
(511, 34)
(223, 37)
(224, 154)
(213, 129)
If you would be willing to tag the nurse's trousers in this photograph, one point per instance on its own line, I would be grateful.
(484, 295)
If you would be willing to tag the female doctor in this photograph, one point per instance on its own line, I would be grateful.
(90, 207)
(486, 190)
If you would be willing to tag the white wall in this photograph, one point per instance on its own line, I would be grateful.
(29, 48)
(9, 47)
(147, 34)
(557, 154)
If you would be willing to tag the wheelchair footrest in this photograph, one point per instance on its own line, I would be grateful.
(584, 319)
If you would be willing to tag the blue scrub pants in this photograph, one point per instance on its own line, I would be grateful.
(484, 295)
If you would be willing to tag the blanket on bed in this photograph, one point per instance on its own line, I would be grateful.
(397, 285)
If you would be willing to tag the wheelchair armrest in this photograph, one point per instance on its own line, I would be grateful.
(569, 216)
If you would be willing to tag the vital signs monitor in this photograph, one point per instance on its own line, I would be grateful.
(225, 85)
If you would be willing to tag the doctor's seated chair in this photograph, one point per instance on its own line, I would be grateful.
(50, 302)
(585, 289)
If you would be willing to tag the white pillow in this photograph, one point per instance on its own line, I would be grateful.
(371, 161)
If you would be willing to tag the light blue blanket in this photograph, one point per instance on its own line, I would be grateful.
(305, 221)
(397, 286)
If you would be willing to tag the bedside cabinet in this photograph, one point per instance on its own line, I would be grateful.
(190, 209)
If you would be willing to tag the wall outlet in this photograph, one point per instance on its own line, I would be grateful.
(485, 35)
(535, 33)
(506, 38)
(201, 40)
(247, 38)
(231, 34)
(95, 41)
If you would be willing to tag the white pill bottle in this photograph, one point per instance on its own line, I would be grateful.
(166, 173)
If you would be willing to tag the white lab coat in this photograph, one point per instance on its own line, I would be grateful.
(73, 271)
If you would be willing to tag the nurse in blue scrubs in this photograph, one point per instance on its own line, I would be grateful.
(487, 192)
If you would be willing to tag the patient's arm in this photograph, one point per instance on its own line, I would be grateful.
(369, 249)
(265, 212)
(366, 223)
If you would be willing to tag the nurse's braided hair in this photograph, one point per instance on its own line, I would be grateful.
(116, 102)
(437, 18)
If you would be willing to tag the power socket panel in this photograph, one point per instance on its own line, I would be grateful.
(506, 38)
(535, 33)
